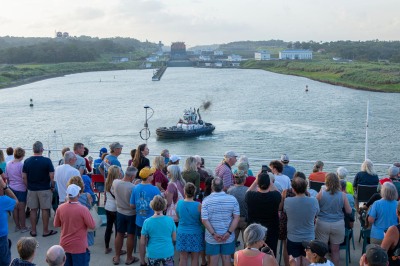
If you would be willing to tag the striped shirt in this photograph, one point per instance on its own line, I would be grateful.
(224, 172)
(218, 208)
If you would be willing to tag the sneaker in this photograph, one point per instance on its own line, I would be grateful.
(25, 229)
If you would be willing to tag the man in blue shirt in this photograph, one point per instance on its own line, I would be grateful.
(141, 196)
(111, 159)
(8, 201)
(287, 169)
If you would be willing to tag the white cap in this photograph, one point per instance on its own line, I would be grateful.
(73, 190)
(231, 154)
(174, 158)
(284, 158)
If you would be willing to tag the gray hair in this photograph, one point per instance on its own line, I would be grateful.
(55, 256)
(131, 171)
(37, 147)
(240, 177)
(68, 155)
(254, 233)
(389, 191)
(198, 158)
(176, 175)
(243, 159)
(367, 166)
(243, 166)
(342, 172)
(393, 171)
(217, 185)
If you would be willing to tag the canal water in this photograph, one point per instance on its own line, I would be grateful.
(256, 113)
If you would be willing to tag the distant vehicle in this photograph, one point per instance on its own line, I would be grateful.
(187, 127)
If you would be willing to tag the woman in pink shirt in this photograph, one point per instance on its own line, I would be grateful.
(253, 237)
(18, 186)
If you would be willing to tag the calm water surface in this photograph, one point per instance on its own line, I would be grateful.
(257, 113)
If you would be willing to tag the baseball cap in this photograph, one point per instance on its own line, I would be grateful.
(317, 247)
(115, 145)
(102, 151)
(231, 154)
(284, 158)
(146, 172)
(376, 255)
(73, 190)
(174, 158)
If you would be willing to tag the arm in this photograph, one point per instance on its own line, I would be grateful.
(81, 170)
(169, 197)
(253, 186)
(270, 260)
(391, 238)
(371, 220)
(282, 200)
(210, 229)
(347, 206)
(88, 219)
(51, 174)
(25, 178)
(142, 249)
(231, 228)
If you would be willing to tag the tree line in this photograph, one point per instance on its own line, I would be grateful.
(58, 50)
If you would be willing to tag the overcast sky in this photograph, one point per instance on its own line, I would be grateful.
(204, 21)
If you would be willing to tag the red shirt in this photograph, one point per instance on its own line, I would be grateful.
(74, 220)
(249, 181)
(317, 176)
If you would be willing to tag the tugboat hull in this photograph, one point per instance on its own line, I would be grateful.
(179, 133)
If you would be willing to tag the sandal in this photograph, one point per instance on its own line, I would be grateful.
(115, 261)
(51, 232)
(108, 250)
(132, 261)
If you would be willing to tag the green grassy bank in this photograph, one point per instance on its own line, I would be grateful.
(15, 75)
(381, 77)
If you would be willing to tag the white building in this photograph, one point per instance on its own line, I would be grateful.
(234, 57)
(204, 58)
(293, 54)
(262, 55)
(152, 59)
(217, 52)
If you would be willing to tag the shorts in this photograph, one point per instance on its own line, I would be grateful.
(5, 252)
(40, 199)
(332, 232)
(21, 195)
(295, 249)
(126, 224)
(164, 262)
(223, 249)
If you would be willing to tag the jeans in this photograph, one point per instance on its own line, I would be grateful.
(5, 254)
(81, 259)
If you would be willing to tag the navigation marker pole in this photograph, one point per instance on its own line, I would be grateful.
(366, 133)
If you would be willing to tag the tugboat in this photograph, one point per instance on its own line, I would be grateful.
(187, 127)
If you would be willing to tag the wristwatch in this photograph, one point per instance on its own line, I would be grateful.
(229, 232)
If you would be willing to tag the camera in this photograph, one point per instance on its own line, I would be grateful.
(265, 169)
(266, 250)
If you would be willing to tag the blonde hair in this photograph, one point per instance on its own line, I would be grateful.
(368, 166)
(113, 173)
(190, 164)
(158, 162)
(76, 180)
(158, 203)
